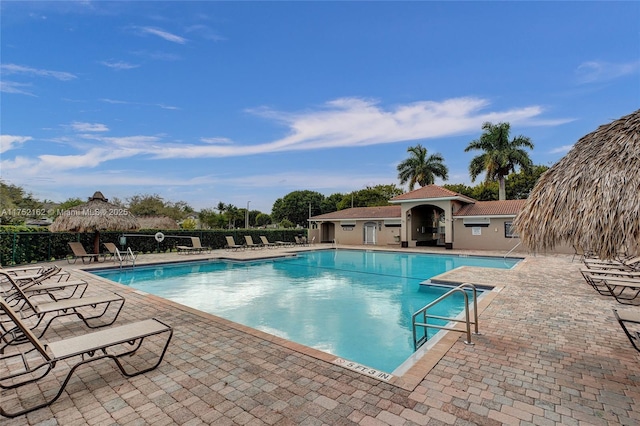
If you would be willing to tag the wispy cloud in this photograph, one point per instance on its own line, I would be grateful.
(8, 142)
(158, 56)
(205, 32)
(599, 71)
(222, 141)
(120, 65)
(21, 69)
(89, 127)
(14, 87)
(561, 149)
(345, 122)
(349, 122)
(120, 102)
(163, 34)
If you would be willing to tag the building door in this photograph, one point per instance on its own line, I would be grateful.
(370, 233)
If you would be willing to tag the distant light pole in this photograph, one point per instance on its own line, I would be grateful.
(246, 219)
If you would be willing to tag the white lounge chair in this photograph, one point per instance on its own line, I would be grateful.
(30, 366)
(43, 313)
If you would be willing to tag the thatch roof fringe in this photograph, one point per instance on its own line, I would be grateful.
(591, 197)
(95, 215)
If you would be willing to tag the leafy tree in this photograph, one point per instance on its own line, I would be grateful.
(519, 185)
(16, 205)
(65, 205)
(117, 201)
(485, 191)
(234, 215)
(262, 219)
(330, 204)
(501, 155)
(146, 205)
(210, 219)
(371, 196)
(460, 188)
(253, 214)
(286, 223)
(295, 207)
(154, 205)
(420, 168)
(189, 224)
(178, 210)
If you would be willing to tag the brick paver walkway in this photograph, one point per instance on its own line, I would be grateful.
(550, 352)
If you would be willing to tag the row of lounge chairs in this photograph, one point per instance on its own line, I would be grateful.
(264, 243)
(619, 279)
(111, 252)
(196, 246)
(33, 301)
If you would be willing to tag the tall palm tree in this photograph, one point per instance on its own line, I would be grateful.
(420, 169)
(500, 156)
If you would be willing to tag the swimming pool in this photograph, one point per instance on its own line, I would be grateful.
(354, 304)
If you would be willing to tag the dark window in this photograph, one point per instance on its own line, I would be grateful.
(509, 230)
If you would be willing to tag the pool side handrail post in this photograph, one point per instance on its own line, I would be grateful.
(423, 311)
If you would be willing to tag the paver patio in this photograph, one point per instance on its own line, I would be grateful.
(550, 352)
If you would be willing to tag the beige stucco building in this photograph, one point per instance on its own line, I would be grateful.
(428, 216)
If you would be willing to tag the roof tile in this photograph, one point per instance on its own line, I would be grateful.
(430, 191)
(379, 212)
(491, 208)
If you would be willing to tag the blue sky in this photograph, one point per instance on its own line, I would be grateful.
(247, 101)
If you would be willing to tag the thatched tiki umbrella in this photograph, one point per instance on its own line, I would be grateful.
(591, 197)
(95, 216)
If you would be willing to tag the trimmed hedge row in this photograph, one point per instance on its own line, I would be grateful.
(21, 245)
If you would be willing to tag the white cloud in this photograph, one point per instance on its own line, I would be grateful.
(14, 87)
(119, 102)
(223, 141)
(8, 142)
(163, 34)
(561, 149)
(205, 32)
(345, 122)
(349, 122)
(89, 127)
(597, 71)
(158, 56)
(20, 69)
(120, 65)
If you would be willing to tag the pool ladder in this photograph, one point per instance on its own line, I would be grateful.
(126, 257)
(422, 315)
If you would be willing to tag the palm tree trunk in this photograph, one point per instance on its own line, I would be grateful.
(502, 192)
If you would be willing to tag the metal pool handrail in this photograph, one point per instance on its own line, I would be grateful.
(417, 342)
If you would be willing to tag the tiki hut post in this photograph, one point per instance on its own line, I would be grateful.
(591, 197)
(95, 216)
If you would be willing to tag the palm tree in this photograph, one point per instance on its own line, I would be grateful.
(420, 169)
(500, 156)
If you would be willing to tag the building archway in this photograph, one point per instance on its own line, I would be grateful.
(426, 227)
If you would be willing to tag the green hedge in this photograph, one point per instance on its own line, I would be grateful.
(20, 244)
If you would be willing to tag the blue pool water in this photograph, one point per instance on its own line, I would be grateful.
(354, 304)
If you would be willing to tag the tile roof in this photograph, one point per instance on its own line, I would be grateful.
(380, 212)
(479, 208)
(491, 208)
(431, 191)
